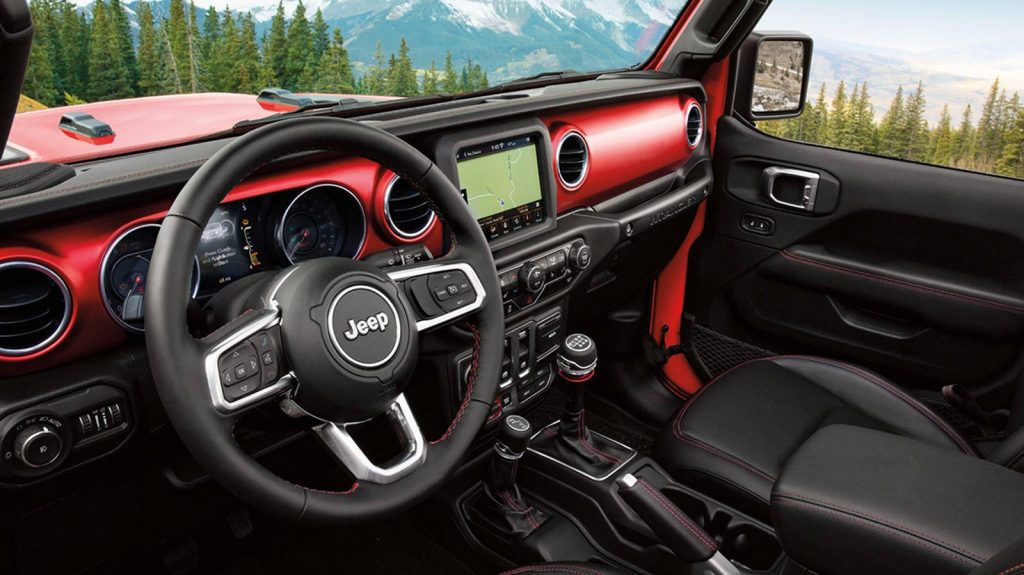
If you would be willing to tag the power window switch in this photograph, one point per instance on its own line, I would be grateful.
(755, 224)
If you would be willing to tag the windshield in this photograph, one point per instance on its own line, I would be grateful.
(96, 50)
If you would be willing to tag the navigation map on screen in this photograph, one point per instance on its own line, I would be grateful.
(501, 184)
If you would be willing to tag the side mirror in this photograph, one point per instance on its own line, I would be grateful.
(773, 71)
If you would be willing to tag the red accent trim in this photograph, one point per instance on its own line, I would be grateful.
(74, 249)
(670, 289)
(628, 144)
(571, 379)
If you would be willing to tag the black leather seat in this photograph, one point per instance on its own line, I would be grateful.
(567, 569)
(732, 438)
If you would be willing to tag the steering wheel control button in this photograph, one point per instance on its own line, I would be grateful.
(38, 445)
(364, 326)
(236, 392)
(239, 364)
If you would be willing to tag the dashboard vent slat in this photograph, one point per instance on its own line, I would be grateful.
(407, 213)
(35, 308)
(694, 124)
(572, 160)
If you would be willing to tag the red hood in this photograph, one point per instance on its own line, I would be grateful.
(138, 124)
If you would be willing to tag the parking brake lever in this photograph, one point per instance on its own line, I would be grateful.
(674, 528)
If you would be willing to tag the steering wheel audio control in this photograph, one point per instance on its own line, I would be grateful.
(251, 365)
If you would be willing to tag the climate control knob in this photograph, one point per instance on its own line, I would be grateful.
(531, 277)
(579, 256)
(38, 445)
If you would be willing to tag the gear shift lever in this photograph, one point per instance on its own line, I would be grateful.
(502, 505)
(574, 445)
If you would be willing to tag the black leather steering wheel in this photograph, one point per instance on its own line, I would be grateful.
(347, 332)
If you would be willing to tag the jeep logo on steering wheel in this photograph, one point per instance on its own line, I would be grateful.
(377, 322)
(364, 341)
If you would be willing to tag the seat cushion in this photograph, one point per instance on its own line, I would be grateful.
(567, 569)
(732, 438)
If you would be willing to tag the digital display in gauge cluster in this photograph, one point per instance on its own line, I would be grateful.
(227, 248)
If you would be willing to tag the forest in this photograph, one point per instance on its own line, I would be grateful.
(92, 55)
(993, 144)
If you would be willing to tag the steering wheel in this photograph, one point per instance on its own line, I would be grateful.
(332, 340)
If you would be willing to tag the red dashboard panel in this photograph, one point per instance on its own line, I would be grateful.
(628, 144)
(75, 249)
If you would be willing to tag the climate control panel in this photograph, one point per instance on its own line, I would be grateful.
(537, 279)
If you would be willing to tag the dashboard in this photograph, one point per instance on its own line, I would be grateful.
(519, 176)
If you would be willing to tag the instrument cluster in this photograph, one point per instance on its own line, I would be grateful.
(242, 238)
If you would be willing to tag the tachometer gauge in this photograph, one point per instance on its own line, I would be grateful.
(124, 272)
(325, 220)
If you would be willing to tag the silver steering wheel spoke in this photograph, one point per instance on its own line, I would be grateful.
(243, 361)
(343, 446)
(441, 292)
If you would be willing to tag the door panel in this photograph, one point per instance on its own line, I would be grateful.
(913, 270)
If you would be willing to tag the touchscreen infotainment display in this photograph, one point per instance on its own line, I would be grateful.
(501, 182)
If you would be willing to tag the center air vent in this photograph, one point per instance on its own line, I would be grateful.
(408, 213)
(35, 308)
(694, 124)
(573, 159)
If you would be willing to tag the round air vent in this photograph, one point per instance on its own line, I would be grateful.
(407, 211)
(694, 124)
(573, 160)
(35, 307)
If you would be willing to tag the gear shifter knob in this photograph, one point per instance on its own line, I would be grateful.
(577, 358)
(514, 435)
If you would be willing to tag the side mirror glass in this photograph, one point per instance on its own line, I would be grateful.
(776, 67)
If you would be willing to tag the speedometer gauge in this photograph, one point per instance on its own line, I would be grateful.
(325, 220)
(124, 273)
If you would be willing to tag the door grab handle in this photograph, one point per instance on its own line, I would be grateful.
(810, 189)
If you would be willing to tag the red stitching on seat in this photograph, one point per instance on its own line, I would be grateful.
(671, 508)
(570, 569)
(474, 368)
(1013, 570)
(927, 413)
(863, 515)
(903, 284)
(879, 525)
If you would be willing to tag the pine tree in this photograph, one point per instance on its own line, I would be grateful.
(74, 38)
(40, 83)
(402, 77)
(334, 75)
(223, 68)
(449, 82)
(123, 34)
(248, 68)
(152, 56)
(275, 49)
(888, 130)
(431, 80)
(1011, 161)
(913, 131)
(987, 138)
(176, 28)
(209, 50)
(862, 121)
(390, 76)
(300, 49)
(108, 75)
(321, 35)
(375, 80)
(941, 152)
(962, 148)
(838, 130)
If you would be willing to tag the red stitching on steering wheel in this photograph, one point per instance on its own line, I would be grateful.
(469, 384)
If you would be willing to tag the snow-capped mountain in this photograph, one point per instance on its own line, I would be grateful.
(509, 38)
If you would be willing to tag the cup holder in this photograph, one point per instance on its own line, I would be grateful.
(739, 538)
